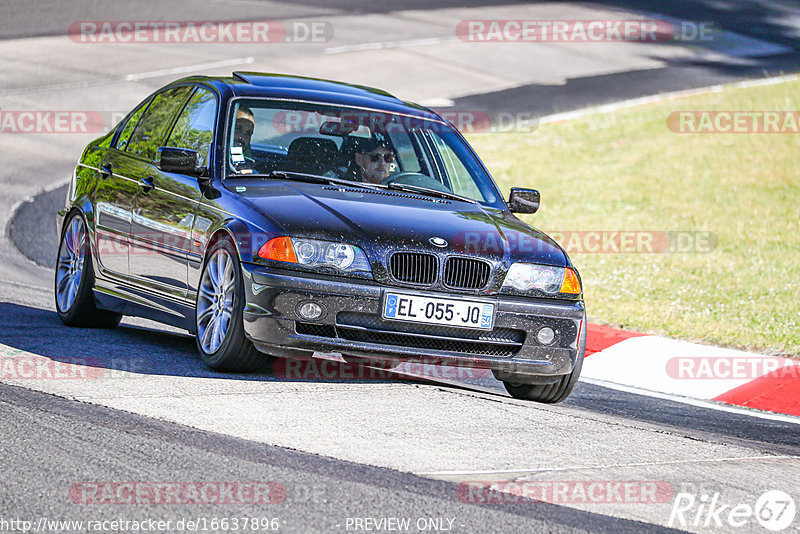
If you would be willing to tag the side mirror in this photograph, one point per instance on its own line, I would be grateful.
(523, 200)
(179, 161)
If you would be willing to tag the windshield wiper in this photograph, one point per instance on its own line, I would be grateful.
(430, 192)
(318, 179)
(313, 178)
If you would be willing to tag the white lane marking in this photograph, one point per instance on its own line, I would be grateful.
(128, 77)
(694, 402)
(607, 466)
(189, 68)
(720, 43)
(383, 45)
(663, 97)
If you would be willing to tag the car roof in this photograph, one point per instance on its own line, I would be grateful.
(271, 85)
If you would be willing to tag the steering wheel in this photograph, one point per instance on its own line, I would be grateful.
(415, 178)
(399, 175)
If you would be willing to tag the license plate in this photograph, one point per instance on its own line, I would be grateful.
(417, 309)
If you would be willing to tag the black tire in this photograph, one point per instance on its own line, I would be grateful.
(557, 391)
(74, 280)
(234, 353)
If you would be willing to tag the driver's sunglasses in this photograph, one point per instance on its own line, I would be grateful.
(388, 158)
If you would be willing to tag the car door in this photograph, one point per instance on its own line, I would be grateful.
(165, 205)
(118, 180)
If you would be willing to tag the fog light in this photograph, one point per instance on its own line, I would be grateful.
(309, 310)
(545, 336)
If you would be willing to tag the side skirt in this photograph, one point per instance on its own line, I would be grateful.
(137, 303)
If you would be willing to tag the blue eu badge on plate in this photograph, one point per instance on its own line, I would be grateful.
(391, 306)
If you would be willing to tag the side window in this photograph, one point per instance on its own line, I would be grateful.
(461, 183)
(195, 126)
(407, 156)
(127, 130)
(149, 134)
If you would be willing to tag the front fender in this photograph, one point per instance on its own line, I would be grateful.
(247, 237)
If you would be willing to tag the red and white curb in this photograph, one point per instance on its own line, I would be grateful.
(683, 371)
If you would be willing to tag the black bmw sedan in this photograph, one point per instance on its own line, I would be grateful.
(275, 216)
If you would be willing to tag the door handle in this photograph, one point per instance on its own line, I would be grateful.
(147, 184)
(105, 171)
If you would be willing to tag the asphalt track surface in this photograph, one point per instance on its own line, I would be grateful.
(341, 449)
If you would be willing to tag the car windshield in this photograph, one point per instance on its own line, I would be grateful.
(269, 137)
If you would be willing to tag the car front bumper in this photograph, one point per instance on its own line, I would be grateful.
(352, 324)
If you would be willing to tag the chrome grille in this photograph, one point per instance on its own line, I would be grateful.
(414, 267)
(466, 273)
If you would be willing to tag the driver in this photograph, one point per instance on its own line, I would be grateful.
(373, 160)
(241, 152)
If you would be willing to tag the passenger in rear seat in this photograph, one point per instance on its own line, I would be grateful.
(243, 130)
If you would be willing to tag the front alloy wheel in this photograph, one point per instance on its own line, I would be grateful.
(218, 316)
(215, 301)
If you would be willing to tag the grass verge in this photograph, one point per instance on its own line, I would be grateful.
(627, 171)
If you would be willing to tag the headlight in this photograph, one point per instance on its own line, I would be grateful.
(528, 277)
(313, 253)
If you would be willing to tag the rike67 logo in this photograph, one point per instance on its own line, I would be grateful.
(773, 510)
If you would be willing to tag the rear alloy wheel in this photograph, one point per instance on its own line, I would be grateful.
(74, 280)
(218, 314)
(557, 391)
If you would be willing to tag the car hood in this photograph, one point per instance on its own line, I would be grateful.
(383, 220)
